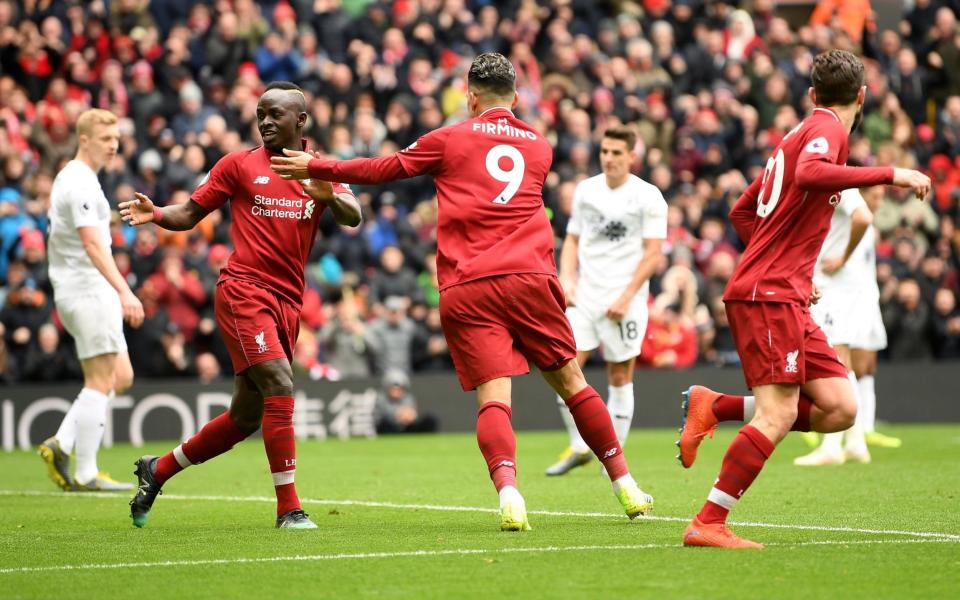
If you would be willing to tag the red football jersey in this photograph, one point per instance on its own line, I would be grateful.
(489, 172)
(274, 221)
(789, 224)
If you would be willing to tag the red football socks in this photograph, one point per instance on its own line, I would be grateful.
(803, 414)
(498, 444)
(596, 428)
(728, 408)
(215, 438)
(741, 464)
(281, 447)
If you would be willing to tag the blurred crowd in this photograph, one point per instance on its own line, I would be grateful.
(710, 87)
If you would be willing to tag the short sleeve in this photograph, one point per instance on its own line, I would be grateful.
(426, 154)
(850, 201)
(654, 216)
(575, 224)
(827, 141)
(82, 206)
(219, 184)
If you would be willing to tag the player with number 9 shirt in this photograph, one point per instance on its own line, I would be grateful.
(501, 303)
(798, 382)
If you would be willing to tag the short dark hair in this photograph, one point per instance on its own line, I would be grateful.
(288, 86)
(837, 77)
(491, 72)
(283, 85)
(622, 133)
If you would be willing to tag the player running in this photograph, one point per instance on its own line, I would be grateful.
(93, 299)
(501, 302)
(613, 243)
(798, 382)
(849, 313)
(258, 298)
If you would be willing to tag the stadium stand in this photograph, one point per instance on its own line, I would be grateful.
(710, 87)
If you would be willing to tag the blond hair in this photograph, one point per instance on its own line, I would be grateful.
(93, 117)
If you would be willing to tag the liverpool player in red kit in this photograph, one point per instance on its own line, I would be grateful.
(501, 303)
(258, 298)
(797, 380)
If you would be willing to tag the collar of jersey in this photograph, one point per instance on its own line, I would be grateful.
(484, 113)
(303, 144)
(830, 111)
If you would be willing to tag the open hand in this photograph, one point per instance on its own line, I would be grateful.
(137, 212)
(292, 165)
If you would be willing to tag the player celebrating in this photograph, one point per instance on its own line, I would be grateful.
(93, 299)
(797, 380)
(500, 300)
(613, 242)
(849, 313)
(258, 298)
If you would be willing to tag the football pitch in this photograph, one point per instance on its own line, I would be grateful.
(414, 517)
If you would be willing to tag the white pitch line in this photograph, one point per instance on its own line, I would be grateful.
(454, 508)
(418, 553)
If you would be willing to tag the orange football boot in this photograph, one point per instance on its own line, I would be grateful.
(714, 535)
(698, 421)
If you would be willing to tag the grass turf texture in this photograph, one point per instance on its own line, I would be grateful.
(916, 489)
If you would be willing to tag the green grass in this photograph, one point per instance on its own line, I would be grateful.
(916, 489)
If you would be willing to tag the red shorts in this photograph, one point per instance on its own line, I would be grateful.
(778, 342)
(256, 325)
(496, 324)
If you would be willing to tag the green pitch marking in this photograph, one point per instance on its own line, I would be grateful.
(416, 517)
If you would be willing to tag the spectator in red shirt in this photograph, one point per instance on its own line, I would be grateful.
(179, 291)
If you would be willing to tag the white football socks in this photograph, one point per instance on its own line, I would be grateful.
(508, 493)
(576, 440)
(855, 442)
(620, 405)
(868, 403)
(67, 433)
(749, 408)
(90, 418)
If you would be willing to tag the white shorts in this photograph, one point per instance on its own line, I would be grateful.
(621, 340)
(851, 318)
(95, 320)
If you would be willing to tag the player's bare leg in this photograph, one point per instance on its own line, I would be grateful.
(833, 450)
(826, 405)
(498, 444)
(594, 423)
(577, 453)
(216, 437)
(865, 368)
(823, 408)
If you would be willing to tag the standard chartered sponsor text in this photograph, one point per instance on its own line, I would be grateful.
(264, 206)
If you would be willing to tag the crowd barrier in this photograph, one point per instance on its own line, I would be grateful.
(175, 409)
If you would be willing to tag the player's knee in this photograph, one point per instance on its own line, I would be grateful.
(846, 413)
(122, 381)
(247, 422)
(273, 380)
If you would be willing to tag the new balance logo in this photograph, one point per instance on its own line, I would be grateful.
(791, 362)
(261, 180)
(261, 345)
(609, 453)
(506, 463)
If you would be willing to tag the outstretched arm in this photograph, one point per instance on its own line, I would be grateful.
(302, 165)
(180, 217)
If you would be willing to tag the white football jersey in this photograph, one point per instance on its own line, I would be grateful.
(76, 200)
(860, 270)
(612, 226)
